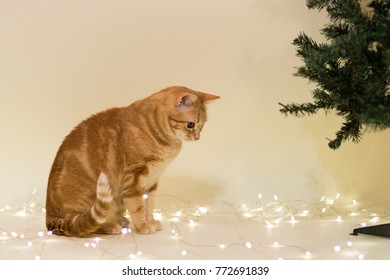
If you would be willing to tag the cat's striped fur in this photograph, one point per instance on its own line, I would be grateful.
(110, 160)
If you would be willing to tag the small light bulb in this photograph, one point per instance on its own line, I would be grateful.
(183, 253)
(139, 253)
(222, 246)
(276, 243)
(337, 248)
(178, 214)
(158, 216)
(248, 245)
(202, 210)
(275, 197)
(293, 221)
(354, 202)
(305, 213)
(192, 223)
(361, 256)
(40, 233)
(145, 196)
(308, 254)
(124, 231)
(349, 244)
(269, 225)
(29, 244)
(86, 245)
(375, 219)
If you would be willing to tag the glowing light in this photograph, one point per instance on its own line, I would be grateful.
(308, 254)
(322, 199)
(203, 210)
(305, 213)
(145, 196)
(248, 245)
(337, 248)
(339, 219)
(158, 216)
(93, 245)
(49, 233)
(360, 256)
(354, 202)
(337, 196)
(222, 246)
(40, 233)
(29, 244)
(292, 220)
(269, 225)
(276, 243)
(349, 244)
(323, 210)
(14, 234)
(178, 214)
(86, 245)
(192, 223)
(363, 224)
(21, 213)
(375, 219)
(124, 231)
(259, 196)
(275, 197)
(183, 253)
(139, 253)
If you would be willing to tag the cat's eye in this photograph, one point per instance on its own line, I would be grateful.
(190, 125)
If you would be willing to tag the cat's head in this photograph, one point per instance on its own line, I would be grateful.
(187, 113)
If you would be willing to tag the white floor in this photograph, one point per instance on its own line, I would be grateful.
(275, 230)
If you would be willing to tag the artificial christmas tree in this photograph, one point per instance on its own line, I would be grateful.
(351, 69)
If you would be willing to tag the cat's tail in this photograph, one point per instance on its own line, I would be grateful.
(85, 223)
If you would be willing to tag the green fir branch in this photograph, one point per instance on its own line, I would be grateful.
(351, 69)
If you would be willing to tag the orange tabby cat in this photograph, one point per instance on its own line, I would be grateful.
(108, 163)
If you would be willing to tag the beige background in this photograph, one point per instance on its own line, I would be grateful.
(61, 61)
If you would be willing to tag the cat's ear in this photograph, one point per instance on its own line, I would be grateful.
(206, 97)
(186, 99)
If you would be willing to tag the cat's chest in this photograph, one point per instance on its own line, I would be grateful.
(155, 171)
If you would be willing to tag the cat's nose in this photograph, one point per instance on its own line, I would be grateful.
(197, 136)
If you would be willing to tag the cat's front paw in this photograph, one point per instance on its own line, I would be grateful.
(157, 224)
(147, 228)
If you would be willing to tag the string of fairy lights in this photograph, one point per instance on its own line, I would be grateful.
(183, 216)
